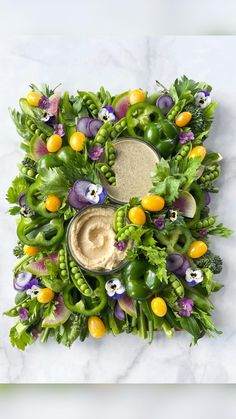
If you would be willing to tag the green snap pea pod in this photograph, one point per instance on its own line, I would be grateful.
(157, 322)
(145, 306)
(125, 232)
(79, 280)
(118, 128)
(167, 329)
(120, 219)
(177, 285)
(183, 152)
(177, 108)
(113, 325)
(210, 175)
(142, 324)
(201, 302)
(206, 222)
(103, 134)
(64, 264)
(92, 102)
(104, 97)
(33, 128)
(110, 153)
(107, 172)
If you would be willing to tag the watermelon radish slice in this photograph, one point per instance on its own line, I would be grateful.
(127, 304)
(40, 268)
(121, 104)
(60, 315)
(38, 147)
(186, 204)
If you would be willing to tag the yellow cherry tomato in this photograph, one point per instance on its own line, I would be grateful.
(136, 96)
(52, 203)
(45, 295)
(137, 215)
(31, 250)
(158, 306)
(77, 141)
(197, 249)
(33, 98)
(183, 119)
(153, 203)
(54, 143)
(198, 151)
(96, 327)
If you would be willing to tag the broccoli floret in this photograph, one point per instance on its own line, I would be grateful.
(18, 250)
(210, 261)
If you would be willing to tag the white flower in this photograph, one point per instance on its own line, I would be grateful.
(33, 291)
(105, 115)
(93, 193)
(202, 99)
(46, 116)
(193, 276)
(113, 287)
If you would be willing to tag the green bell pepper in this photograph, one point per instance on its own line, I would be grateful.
(35, 201)
(140, 279)
(47, 161)
(65, 154)
(88, 306)
(163, 135)
(139, 116)
(40, 231)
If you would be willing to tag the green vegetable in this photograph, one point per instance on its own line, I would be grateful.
(19, 185)
(210, 261)
(40, 231)
(118, 128)
(103, 134)
(92, 102)
(139, 116)
(163, 136)
(198, 120)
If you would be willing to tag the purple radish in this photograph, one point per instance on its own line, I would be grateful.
(119, 313)
(22, 199)
(174, 261)
(127, 304)
(39, 267)
(83, 125)
(165, 103)
(207, 197)
(186, 204)
(94, 126)
(182, 270)
(121, 104)
(38, 148)
(60, 315)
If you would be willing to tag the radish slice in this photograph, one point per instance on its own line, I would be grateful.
(119, 313)
(94, 126)
(174, 261)
(182, 270)
(83, 125)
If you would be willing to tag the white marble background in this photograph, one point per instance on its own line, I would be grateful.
(119, 64)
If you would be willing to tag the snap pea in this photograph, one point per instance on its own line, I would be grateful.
(118, 128)
(125, 232)
(104, 97)
(120, 219)
(210, 175)
(183, 152)
(107, 172)
(206, 222)
(103, 134)
(177, 285)
(63, 265)
(110, 153)
(201, 302)
(92, 102)
(177, 108)
(79, 279)
(34, 129)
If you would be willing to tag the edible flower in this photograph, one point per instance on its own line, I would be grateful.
(33, 291)
(193, 276)
(172, 215)
(186, 136)
(59, 130)
(96, 194)
(120, 245)
(202, 99)
(26, 212)
(95, 152)
(115, 289)
(44, 102)
(107, 114)
(159, 222)
(24, 281)
(185, 307)
(23, 313)
(203, 232)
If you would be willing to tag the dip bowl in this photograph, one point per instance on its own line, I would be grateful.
(72, 252)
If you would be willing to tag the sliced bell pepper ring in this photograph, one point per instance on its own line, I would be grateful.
(35, 201)
(139, 116)
(40, 231)
(86, 305)
(140, 279)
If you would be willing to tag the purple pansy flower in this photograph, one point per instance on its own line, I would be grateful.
(59, 130)
(33, 291)
(95, 152)
(115, 289)
(34, 333)
(107, 113)
(202, 99)
(23, 313)
(185, 307)
(44, 102)
(95, 194)
(172, 215)
(203, 232)
(186, 136)
(120, 245)
(193, 276)
(159, 222)
(24, 281)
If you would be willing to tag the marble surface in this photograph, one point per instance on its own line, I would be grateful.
(119, 64)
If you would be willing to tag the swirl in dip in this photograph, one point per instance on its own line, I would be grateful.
(91, 239)
(135, 160)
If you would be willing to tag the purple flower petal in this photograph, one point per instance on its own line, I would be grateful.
(95, 152)
(184, 137)
(159, 222)
(120, 245)
(59, 130)
(23, 313)
(203, 232)
(44, 103)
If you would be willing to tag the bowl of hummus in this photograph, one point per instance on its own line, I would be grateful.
(91, 239)
(135, 160)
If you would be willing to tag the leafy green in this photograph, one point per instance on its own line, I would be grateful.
(19, 185)
(191, 325)
(209, 112)
(206, 321)
(14, 210)
(54, 181)
(220, 230)
(19, 120)
(20, 337)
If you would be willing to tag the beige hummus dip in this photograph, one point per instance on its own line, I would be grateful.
(135, 160)
(91, 239)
